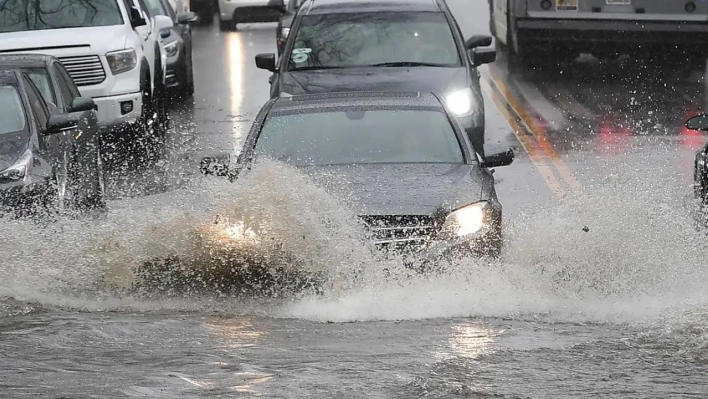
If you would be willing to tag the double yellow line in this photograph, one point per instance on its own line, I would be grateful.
(547, 161)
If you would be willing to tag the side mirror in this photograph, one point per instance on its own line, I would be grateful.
(136, 18)
(188, 17)
(478, 41)
(698, 122)
(496, 158)
(483, 56)
(278, 5)
(81, 104)
(163, 23)
(59, 123)
(266, 61)
(217, 165)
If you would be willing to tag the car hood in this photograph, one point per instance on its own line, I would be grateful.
(12, 145)
(403, 189)
(63, 42)
(434, 79)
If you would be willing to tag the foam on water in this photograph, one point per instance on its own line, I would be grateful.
(642, 258)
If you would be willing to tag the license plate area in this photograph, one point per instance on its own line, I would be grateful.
(567, 5)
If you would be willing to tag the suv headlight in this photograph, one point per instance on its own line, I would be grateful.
(122, 61)
(171, 49)
(466, 220)
(461, 102)
(20, 168)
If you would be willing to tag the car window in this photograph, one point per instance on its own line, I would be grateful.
(66, 94)
(360, 136)
(12, 112)
(18, 16)
(64, 74)
(365, 39)
(157, 7)
(38, 107)
(41, 79)
(141, 4)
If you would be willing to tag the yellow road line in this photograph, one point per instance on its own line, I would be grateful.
(536, 131)
(526, 142)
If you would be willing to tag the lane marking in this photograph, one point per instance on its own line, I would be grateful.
(528, 121)
(527, 141)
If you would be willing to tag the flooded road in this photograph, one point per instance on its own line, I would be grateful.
(600, 291)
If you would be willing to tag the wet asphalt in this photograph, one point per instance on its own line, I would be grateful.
(600, 292)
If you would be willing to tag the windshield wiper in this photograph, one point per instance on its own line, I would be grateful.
(406, 63)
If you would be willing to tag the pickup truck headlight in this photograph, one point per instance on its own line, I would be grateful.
(461, 102)
(20, 168)
(466, 220)
(171, 49)
(122, 61)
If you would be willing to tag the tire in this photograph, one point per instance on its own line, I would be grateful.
(188, 89)
(70, 199)
(206, 13)
(226, 26)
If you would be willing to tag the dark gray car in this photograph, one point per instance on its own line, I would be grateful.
(49, 141)
(362, 45)
(400, 160)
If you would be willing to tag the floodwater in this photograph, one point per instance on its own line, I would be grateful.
(600, 290)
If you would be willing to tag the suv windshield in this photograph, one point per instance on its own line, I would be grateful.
(12, 113)
(157, 7)
(25, 15)
(360, 137)
(370, 39)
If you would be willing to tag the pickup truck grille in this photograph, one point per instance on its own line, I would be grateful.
(400, 233)
(85, 70)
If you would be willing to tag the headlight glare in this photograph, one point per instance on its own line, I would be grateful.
(467, 220)
(20, 168)
(122, 61)
(171, 49)
(284, 32)
(461, 102)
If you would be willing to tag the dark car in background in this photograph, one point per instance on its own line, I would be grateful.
(49, 154)
(178, 47)
(400, 160)
(285, 22)
(402, 45)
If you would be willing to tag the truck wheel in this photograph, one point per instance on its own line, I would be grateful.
(206, 12)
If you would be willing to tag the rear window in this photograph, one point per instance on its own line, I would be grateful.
(360, 137)
(27, 15)
(12, 113)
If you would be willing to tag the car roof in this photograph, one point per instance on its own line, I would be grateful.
(361, 6)
(24, 60)
(307, 102)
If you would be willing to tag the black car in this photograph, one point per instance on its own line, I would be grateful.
(285, 22)
(49, 148)
(402, 45)
(700, 163)
(178, 46)
(400, 160)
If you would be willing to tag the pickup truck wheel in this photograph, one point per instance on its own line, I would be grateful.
(226, 26)
(206, 12)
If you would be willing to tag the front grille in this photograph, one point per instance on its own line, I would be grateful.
(400, 233)
(85, 70)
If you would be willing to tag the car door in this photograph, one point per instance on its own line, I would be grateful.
(84, 141)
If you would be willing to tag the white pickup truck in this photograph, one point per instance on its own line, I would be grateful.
(557, 29)
(111, 48)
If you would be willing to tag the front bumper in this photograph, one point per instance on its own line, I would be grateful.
(24, 194)
(110, 113)
(175, 70)
(247, 11)
(630, 33)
